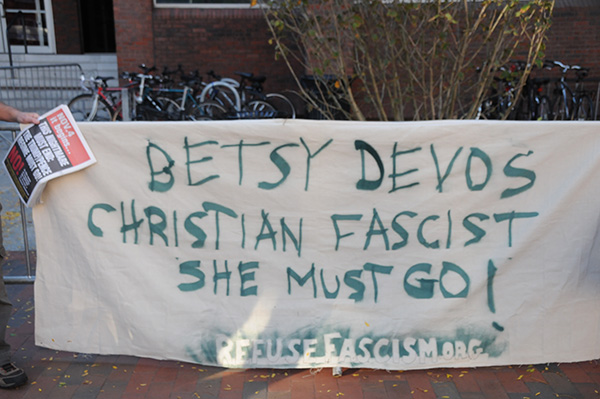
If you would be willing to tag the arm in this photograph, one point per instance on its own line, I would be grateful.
(10, 114)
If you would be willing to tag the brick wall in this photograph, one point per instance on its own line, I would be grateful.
(67, 28)
(574, 37)
(223, 40)
(229, 40)
(134, 33)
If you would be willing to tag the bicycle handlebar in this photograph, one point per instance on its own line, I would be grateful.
(579, 70)
(166, 71)
(146, 69)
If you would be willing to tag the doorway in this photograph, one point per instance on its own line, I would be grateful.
(98, 26)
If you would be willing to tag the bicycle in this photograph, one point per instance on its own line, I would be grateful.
(499, 103)
(185, 106)
(244, 99)
(99, 103)
(533, 103)
(252, 94)
(148, 105)
(156, 99)
(568, 103)
(148, 92)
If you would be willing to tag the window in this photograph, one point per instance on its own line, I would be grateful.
(203, 3)
(28, 24)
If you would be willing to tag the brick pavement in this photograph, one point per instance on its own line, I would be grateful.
(64, 375)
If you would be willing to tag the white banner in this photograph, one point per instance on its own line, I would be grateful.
(314, 244)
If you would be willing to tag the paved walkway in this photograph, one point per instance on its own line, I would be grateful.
(63, 375)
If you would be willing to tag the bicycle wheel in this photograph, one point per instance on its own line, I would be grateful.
(488, 109)
(544, 111)
(190, 108)
(285, 108)
(171, 109)
(84, 108)
(118, 115)
(505, 106)
(208, 110)
(584, 109)
(153, 109)
(258, 109)
(560, 111)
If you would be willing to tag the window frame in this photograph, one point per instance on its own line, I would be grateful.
(186, 4)
(50, 48)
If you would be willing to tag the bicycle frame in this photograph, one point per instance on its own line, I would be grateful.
(98, 92)
(571, 98)
(146, 98)
(186, 97)
(567, 96)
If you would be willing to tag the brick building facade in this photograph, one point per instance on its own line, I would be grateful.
(223, 40)
(227, 40)
(232, 39)
(574, 36)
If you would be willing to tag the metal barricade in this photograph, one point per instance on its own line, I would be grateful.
(29, 278)
(39, 88)
(596, 116)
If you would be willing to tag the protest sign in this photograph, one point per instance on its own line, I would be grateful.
(313, 244)
(42, 152)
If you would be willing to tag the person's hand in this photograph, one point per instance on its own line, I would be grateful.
(28, 117)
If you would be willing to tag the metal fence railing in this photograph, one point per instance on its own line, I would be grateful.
(35, 89)
(39, 88)
(8, 133)
(597, 104)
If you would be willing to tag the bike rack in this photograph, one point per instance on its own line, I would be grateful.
(29, 278)
(125, 106)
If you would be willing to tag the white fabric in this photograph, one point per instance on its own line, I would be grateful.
(268, 251)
